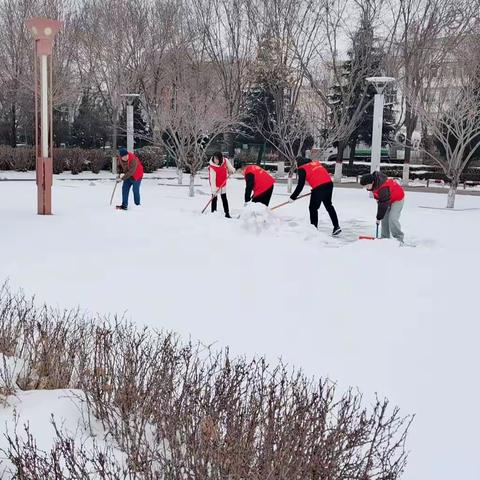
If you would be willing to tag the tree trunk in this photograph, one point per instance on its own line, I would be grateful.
(353, 146)
(115, 130)
(337, 177)
(180, 175)
(191, 189)
(13, 126)
(229, 140)
(114, 140)
(410, 124)
(261, 152)
(290, 181)
(451, 193)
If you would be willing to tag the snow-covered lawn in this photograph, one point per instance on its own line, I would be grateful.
(402, 322)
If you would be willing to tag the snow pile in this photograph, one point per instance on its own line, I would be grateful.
(11, 368)
(40, 414)
(256, 218)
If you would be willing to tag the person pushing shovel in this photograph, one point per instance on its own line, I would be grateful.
(258, 184)
(132, 169)
(219, 169)
(389, 196)
(319, 179)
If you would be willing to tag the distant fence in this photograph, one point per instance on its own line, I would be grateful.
(417, 172)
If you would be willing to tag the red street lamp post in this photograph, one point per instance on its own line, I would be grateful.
(43, 31)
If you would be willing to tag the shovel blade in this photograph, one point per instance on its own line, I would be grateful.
(365, 237)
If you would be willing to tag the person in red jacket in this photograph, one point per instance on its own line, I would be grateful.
(258, 181)
(219, 169)
(132, 169)
(389, 195)
(322, 189)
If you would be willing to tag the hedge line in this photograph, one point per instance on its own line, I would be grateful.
(75, 160)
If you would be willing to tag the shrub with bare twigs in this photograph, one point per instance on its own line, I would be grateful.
(181, 410)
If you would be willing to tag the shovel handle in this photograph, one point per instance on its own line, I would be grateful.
(211, 198)
(286, 203)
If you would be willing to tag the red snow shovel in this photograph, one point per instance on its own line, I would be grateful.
(366, 237)
(286, 203)
(213, 196)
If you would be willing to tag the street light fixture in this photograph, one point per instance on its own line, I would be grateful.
(43, 31)
(380, 84)
(130, 97)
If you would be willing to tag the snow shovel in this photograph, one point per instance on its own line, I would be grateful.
(213, 196)
(113, 193)
(286, 203)
(366, 237)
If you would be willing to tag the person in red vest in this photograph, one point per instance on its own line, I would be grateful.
(258, 181)
(219, 170)
(132, 169)
(322, 189)
(389, 195)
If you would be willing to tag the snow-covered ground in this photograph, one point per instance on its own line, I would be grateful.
(402, 322)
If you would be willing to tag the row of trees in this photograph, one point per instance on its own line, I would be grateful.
(288, 73)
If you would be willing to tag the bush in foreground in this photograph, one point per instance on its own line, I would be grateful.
(182, 411)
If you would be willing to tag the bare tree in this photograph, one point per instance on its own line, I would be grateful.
(113, 53)
(287, 33)
(451, 115)
(191, 114)
(225, 28)
(287, 130)
(163, 30)
(426, 32)
(16, 62)
(345, 96)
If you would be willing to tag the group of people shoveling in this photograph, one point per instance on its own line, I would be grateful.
(259, 189)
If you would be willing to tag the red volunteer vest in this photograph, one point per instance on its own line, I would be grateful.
(221, 174)
(396, 191)
(316, 174)
(262, 179)
(138, 173)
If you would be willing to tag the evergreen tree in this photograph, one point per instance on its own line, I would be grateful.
(270, 114)
(355, 94)
(62, 129)
(90, 129)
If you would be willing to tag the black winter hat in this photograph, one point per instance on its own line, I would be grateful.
(122, 152)
(367, 179)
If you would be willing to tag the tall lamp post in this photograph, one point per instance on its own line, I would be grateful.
(43, 31)
(130, 99)
(379, 83)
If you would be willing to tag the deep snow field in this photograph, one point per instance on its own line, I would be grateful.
(403, 322)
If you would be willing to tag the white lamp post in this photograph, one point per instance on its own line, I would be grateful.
(130, 99)
(379, 83)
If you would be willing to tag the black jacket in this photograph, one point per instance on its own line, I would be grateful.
(383, 194)
(250, 180)
(302, 176)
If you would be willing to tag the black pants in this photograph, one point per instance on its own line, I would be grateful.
(224, 202)
(322, 194)
(264, 197)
